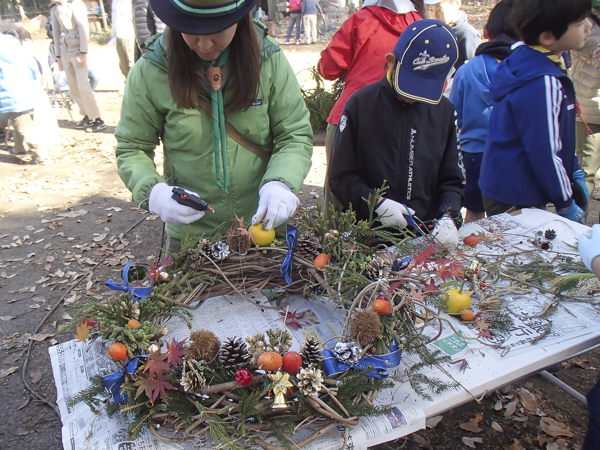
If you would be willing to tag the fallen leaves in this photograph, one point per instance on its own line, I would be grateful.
(35, 376)
(554, 428)
(470, 442)
(6, 372)
(528, 400)
(433, 422)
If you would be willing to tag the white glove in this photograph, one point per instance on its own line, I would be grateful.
(445, 233)
(161, 203)
(392, 213)
(589, 246)
(276, 204)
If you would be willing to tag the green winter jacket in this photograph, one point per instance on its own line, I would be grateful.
(279, 124)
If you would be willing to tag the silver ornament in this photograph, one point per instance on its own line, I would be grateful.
(220, 250)
(347, 352)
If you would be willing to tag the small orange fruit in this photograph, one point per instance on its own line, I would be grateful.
(321, 261)
(269, 361)
(471, 241)
(117, 351)
(467, 314)
(382, 307)
(262, 237)
(133, 323)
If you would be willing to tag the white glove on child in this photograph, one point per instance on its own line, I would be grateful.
(161, 203)
(276, 204)
(445, 233)
(589, 246)
(392, 213)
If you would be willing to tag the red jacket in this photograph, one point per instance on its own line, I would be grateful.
(358, 49)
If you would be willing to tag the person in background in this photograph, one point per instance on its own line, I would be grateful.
(213, 58)
(71, 33)
(473, 103)
(585, 73)
(589, 250)
(529, 158)
(19, 94)
(309, 15)
(295, 20)
(466, 35)
(356, 54)
(122, 30)
(402, 131)
(146, 24)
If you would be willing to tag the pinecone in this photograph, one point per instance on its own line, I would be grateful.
(205, 246)
(550, 234)
(192, 255)
(192, 378)
(220, 250)
(234, 354)
(310, 380)
(378, 269)
(312, 352)
(195, 266)
(308, 246)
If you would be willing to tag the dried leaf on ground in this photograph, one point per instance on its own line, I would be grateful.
(511, 408)
(432, 422)
(516, 445)
(554, 428)
(528, 400)
(72, 214)
(24, 403)
(581, 364)
(6, 372)
(5, 318)
(496, 426)
(39, 337)
(472, 425)
(470, 442)
(559, 444)
(421, 441)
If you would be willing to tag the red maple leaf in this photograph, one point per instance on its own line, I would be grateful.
(175, 350)
(290, 320)
(143, 385)
(394, 286)
(156, 364)
(463, 365)
(431, 287)
(453, 269)
(425, 255)
(416, 294)
(156, 388)
(485, 334)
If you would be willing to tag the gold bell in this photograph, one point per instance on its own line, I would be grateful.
(164, 276)
(280, 401)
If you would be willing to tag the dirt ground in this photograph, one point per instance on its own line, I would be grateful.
(67, 228)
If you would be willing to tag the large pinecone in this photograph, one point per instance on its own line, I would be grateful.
(378, 269)
(234, 354)
(308, 246)
(312, 352)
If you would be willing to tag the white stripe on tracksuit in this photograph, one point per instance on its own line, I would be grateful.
(554, 98)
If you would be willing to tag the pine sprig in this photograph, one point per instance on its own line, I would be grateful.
(94, 396)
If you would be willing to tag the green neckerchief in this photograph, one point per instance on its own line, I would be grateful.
(218, 117)
(556, 59)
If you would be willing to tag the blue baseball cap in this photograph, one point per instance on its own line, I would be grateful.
(425, 54)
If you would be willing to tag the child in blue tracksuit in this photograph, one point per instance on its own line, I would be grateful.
(473, 103)
(529, 158)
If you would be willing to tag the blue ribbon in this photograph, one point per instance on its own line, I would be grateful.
(137, 292)
(401, 264)
(290, 239)
(379, 364)
(114, 381)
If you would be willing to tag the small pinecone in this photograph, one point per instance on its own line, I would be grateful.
(205, 246)
(234, 354)
(192, 255)
(312, 352)
(310, 380)
(195, 266)
(308, 246)
(192, 378)
(378, 269)
(550, 234)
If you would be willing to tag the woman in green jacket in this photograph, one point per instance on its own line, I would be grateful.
(213, 66)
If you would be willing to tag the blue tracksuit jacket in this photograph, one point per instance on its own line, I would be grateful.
(529, 156)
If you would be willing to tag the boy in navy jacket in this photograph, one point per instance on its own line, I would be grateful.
(529, 159)
(471, 97)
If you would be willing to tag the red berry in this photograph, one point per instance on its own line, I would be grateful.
(430, 226)
(243, 377)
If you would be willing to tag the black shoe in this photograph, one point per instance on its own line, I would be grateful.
(83, 123)
(96, 125)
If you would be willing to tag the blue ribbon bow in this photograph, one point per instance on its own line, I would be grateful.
(137, 292)
(379, 364)
(114, 381)
(401, 264)
(290, 239)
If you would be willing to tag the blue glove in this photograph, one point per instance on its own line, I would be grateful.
(581, 194)
(589, 246)
(574, 213)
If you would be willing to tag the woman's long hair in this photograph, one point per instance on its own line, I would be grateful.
(244, 61)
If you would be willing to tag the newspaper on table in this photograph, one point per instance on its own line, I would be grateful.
(74, 363)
